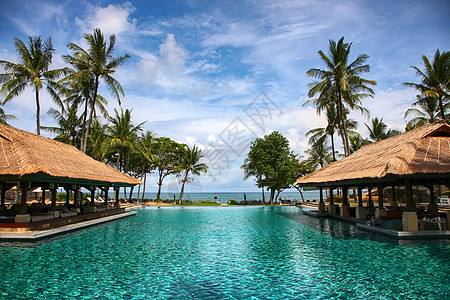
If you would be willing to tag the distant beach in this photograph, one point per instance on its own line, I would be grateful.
(224, 197)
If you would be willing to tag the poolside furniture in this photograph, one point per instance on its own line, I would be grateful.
(444, 200)
(430, 221)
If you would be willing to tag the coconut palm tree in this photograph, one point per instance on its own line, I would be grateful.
(122, 133)
(32, 69)
(190, 163)
(379, 130)
(318, 135)
(145, 146)
(426, 111)
(69, 124)
(81, 94)
(341, 83)
(94, 64)
(435, 79)
(4, 118)
(319, 155)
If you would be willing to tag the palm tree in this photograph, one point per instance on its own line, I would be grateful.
(80, 93)
(318, 135)
(98, 141)
(145, 145)
(426, 111)
(319, 155)
(340, 83)
(69, 124)
(4, 118)
(190, 163)
(122, 133)
(94, 64)
(32, 69)
(379, 131)
(435, 79)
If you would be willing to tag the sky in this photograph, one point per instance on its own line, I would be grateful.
(218, 74)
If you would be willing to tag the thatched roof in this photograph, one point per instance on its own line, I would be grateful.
(423, 151)
(26, 156)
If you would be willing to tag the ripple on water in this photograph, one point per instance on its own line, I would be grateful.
(224, 253)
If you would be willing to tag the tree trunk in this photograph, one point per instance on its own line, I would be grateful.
(160, 181)
(143, 190)
(263, 196)
(332, 147)
(91, 114)
(276, 197)
(180, 201)
(272, 193)
(299, 189)
(441, 107)
(83, 129)
(38, 113)
(131, 192)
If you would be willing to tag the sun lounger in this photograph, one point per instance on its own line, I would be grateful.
(444, 201)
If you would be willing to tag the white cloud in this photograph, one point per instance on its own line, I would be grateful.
(113, 19)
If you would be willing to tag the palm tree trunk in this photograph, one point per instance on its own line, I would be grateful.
(83, 129)
(38, 113)
(91, 114)
(180, 201)
(143, 190)
(332, 148)
(160, 180)
(441, 108)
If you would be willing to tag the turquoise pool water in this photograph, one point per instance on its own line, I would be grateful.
(224, 253)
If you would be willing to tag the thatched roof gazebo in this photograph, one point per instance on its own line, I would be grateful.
(420, 156)
(29, 161)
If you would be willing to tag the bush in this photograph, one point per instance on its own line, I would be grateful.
(403, 199)
(336, 199)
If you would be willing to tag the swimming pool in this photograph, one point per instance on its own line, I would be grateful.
(224, 253)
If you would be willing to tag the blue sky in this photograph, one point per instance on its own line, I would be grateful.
(217, 74)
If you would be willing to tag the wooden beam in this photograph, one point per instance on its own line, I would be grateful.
(410, 205)
(360, 201)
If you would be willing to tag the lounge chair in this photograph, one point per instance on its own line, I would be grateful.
(444, 200)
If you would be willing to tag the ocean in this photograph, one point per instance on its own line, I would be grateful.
(224, 197)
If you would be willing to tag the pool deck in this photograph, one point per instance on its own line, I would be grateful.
(37, 235)
(423, 235)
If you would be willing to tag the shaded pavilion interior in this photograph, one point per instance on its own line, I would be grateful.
(29, 161)
(420, 157)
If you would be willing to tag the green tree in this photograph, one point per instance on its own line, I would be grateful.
(122, 134)
(94, 64)
(4, 118)
(378, 130)
(341, 83)
(145, 146)
(32, 69)
(190, 163)
(270, 162)
(356, 142)
(99, 142)
(166, 158)
(319, 155)
(68, 122)
(425, 111)
(435, 79)
(318, 135)
(300, 169)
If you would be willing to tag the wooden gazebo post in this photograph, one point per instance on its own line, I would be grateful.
(22, 216)
(409, 217)
(321, 204)
(3, 195)
(345, 208)
(360, 210)
(381, 211)
(331, 206)
(116, 196)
